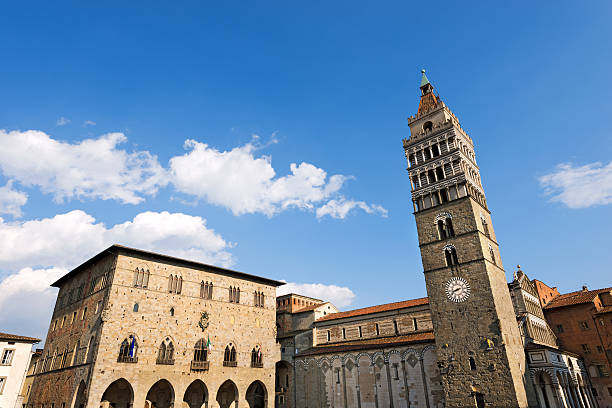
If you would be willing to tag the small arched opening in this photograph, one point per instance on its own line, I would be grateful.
(427, 126)
(196, 395)
(256, 395)
(118, 395)
(227, 395)
(161, 395)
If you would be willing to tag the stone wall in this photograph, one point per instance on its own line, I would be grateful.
(167, 316)
(397, 377)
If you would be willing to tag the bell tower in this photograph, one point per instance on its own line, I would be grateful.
(480, 354)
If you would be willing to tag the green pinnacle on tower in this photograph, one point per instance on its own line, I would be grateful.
(424, 80)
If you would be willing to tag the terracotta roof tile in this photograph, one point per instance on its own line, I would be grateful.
(376, 309)
(14, 337)
(575, 298)
(421, 337)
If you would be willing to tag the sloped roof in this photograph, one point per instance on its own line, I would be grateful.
(15, 337)
(575, 298)
(421, 337)
(116, 249)
(376, 309)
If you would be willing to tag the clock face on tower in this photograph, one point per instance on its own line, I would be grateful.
(457, 289)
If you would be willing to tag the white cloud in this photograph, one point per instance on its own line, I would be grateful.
(62, 121)
(11, 200)
(579, 186)
(338, 295)
(26, 300)
(44, 250)
(68, 239)
(89, 123)
(339, 208)
(243, 183)
(92, 168)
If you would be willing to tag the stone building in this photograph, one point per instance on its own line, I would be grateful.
(582, 321)
(295, 316)
(29, 379)
(379, 356)
(138, 329)
(15, 355)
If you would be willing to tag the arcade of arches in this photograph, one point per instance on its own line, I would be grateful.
(120, 394)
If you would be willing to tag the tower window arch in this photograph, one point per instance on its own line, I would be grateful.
(450, 254)
(444, 224)
(485, 226)
(427, 126)
(135, 307)
(492, 253)
(472, 363)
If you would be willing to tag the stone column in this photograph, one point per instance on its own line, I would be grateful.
(425, 387)
(386, 358)
(358, 387)
(344, 384)
(406, 390)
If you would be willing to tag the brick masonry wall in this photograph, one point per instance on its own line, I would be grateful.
(574, 336)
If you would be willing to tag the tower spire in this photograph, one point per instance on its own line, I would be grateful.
(428, 98)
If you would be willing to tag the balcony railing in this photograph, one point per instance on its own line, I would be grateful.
(230, 364)
(199, 365)
(127, 359)
(255, 364)
(165, 361)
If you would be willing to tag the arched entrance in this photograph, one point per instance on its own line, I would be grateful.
(227, 394)
(161, 395)
(196, 395)
(543, 385)
(256, 395)
(283, 390)
(118, 395)
(80, 398)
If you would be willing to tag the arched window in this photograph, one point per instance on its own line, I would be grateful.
(75, 354)
(427, 126)
(175, 284)
(485, 226)
(141, 278)
(200, 352)
(259, 299)
(256, 357)
(128, 350)
(200, 356)
(450, 253)
(135, 307)
(472, 363)
(64, 357)
(229, 356)
(165, 353)
(171, 311)
(492, 253)
(449, 227)
(441, 229)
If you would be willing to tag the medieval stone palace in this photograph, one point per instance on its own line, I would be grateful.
(133, 328)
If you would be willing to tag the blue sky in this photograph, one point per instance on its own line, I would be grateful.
(174, 128)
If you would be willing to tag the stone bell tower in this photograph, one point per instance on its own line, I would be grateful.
(480, 355)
